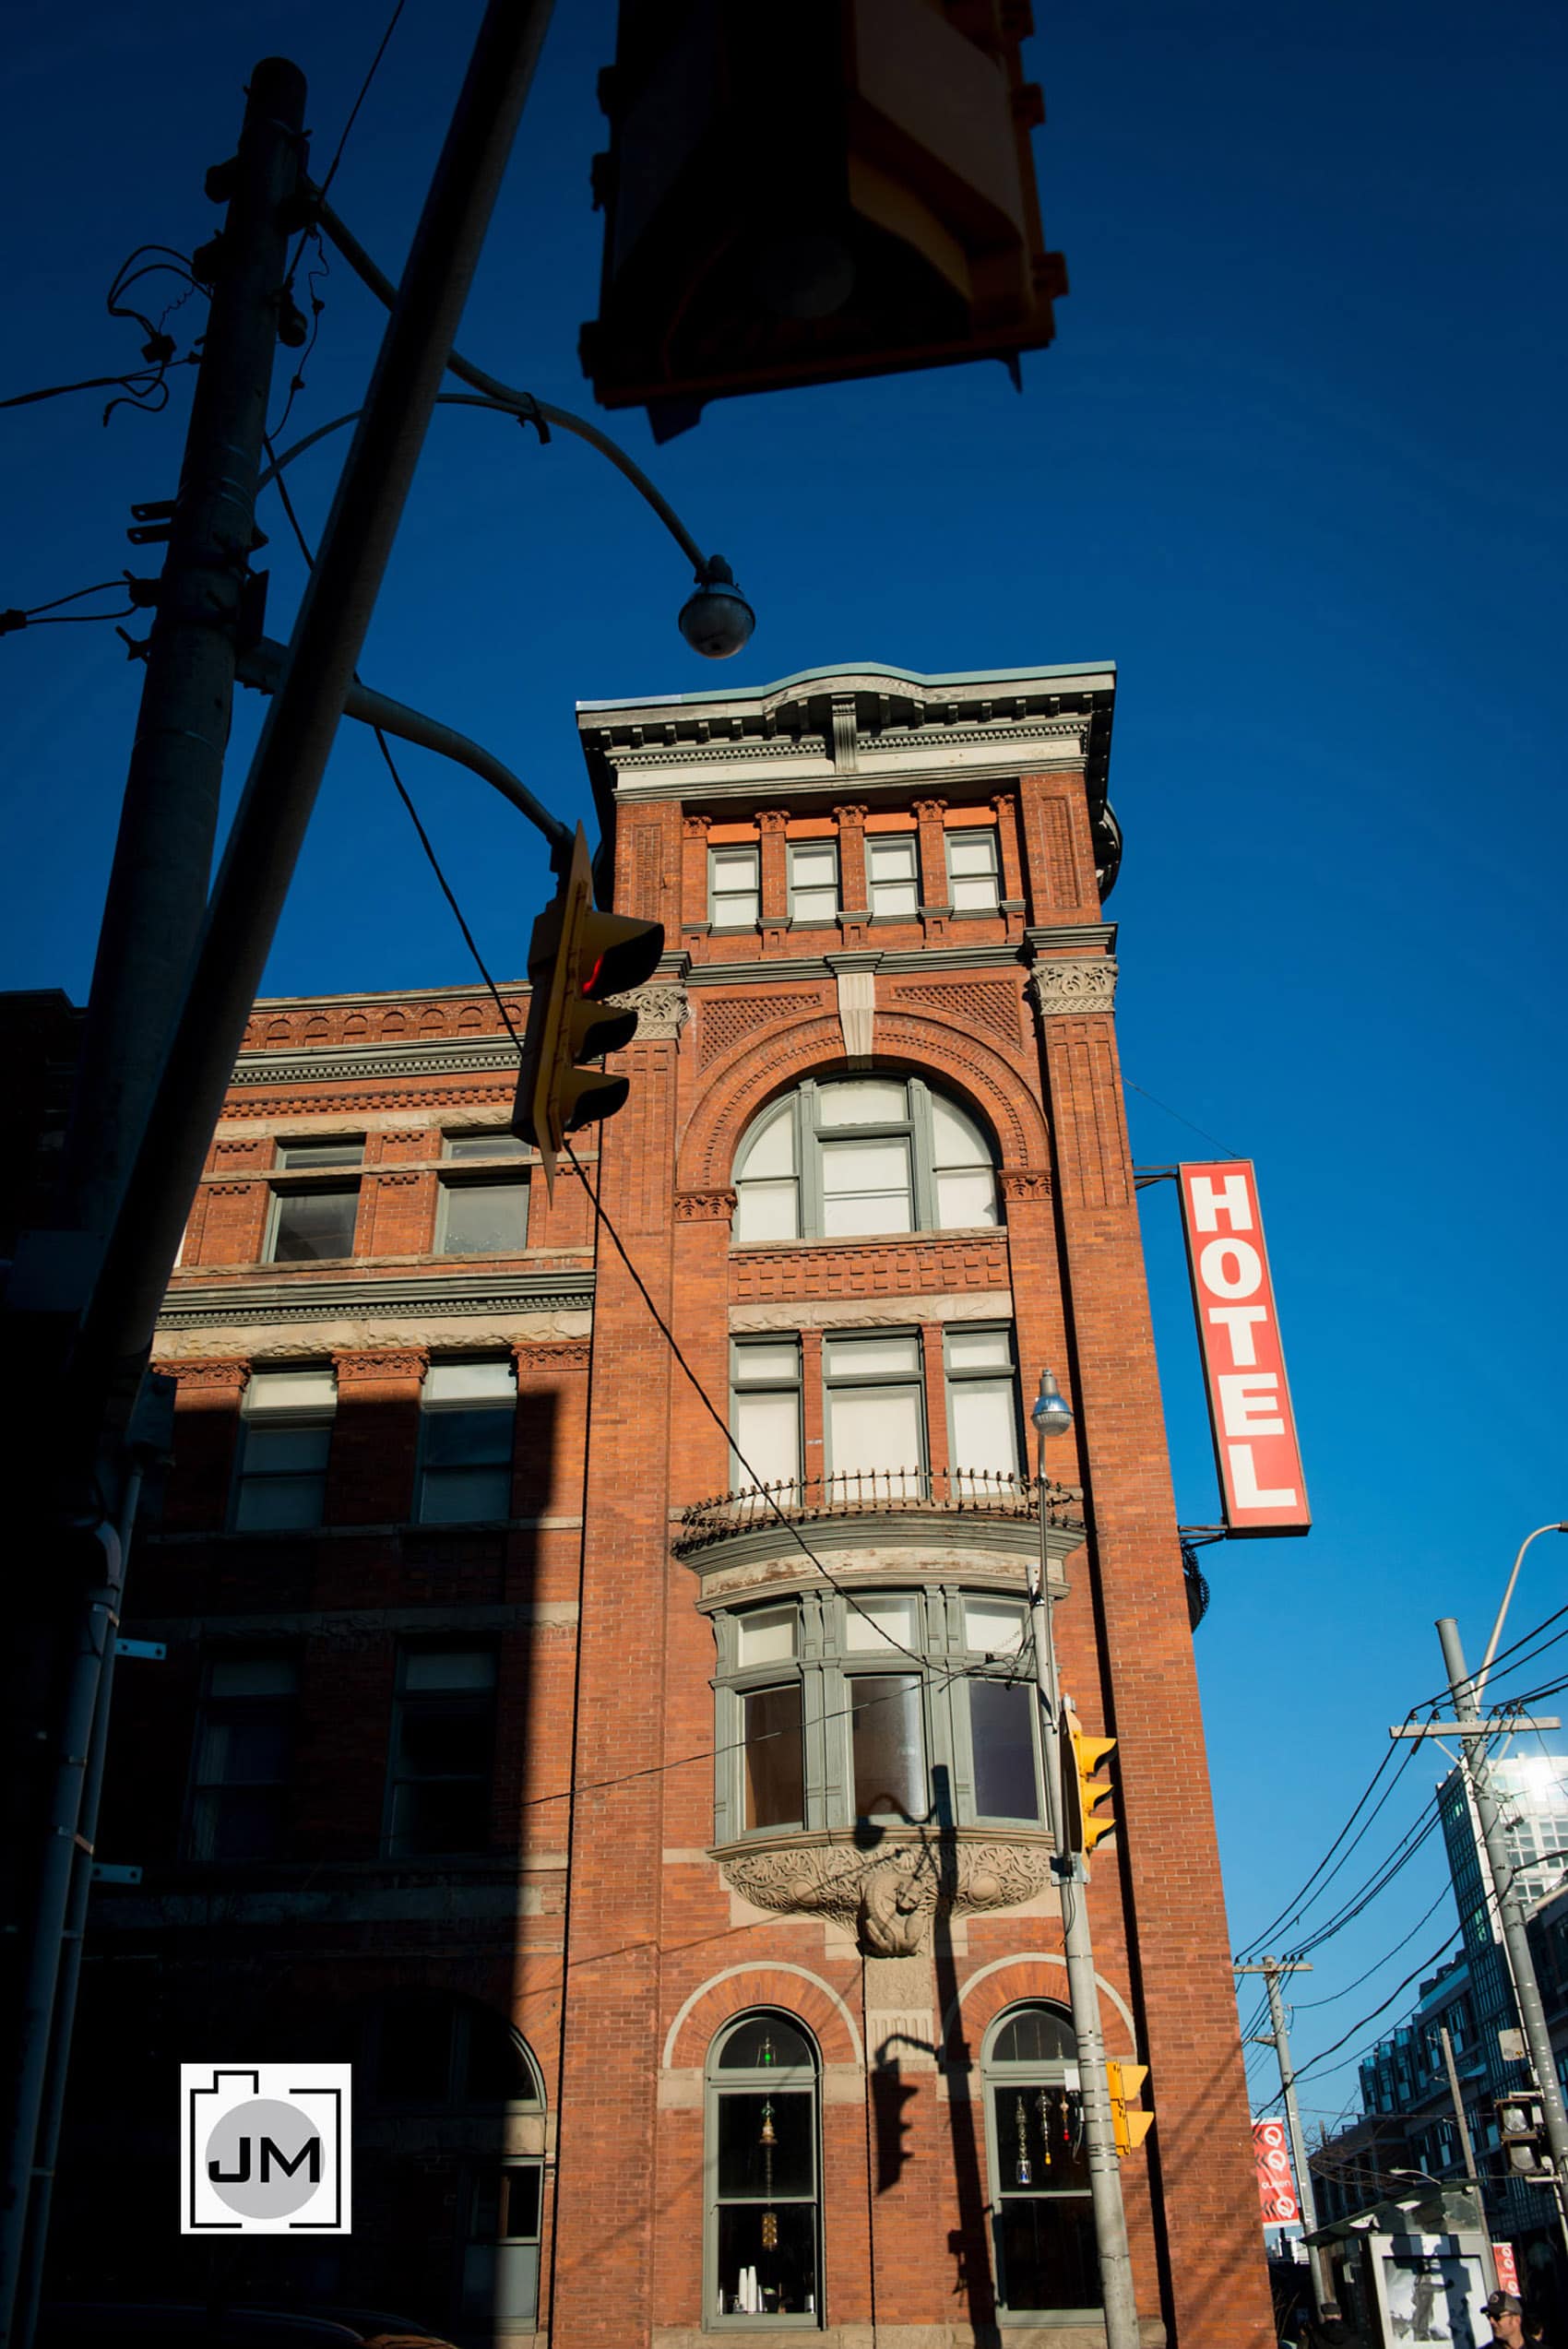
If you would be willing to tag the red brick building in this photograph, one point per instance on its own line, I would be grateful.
(668, 1854)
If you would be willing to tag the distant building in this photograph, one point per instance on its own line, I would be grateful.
(1407, 2121)
(660, 1827)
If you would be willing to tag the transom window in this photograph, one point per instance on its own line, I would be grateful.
(1042, 2220)
(913, 1705)
(734, 887)
(763, 2165)
(893, 875)
(863, 1155)
(298, 1155)
(490, 1142)
(973, 877)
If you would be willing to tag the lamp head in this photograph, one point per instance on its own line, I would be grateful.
(1052, 1413)
(716, 621)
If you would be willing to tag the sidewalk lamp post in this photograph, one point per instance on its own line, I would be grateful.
(1052, 1418)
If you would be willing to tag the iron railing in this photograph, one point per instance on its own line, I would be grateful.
(855, 1492)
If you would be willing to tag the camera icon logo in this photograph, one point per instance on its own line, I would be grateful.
(264, 2149)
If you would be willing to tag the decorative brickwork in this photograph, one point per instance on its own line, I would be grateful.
(929, 1264)
(704, 1207)
(544, 1361)
(980, 1004)
(740, 1019)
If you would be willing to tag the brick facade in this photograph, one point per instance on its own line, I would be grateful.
(599, 1911)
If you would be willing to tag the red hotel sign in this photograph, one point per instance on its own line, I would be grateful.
(1249, 1401)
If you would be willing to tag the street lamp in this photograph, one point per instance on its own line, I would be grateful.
(1497, 1627)
(1052, 1417)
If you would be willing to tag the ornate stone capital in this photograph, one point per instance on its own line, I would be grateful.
(929, 811)
(1025, 1182)
(213, 1379)
(890, 1895)
(772, 819)
(562, 1354)
(849, 818)
(662, 1008)
(1075, 983)
(695, 827)
(387, 1363)
(704, 1207)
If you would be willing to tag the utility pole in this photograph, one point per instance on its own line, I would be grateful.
(1468, 2151)
(1272, 1969)
(152, 919)
(1051, 1415)
(158, 885)
(1471, 1729)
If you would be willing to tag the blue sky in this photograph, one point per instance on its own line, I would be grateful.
(1295, 463)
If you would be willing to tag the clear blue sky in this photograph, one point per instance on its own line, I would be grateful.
(1295, 462)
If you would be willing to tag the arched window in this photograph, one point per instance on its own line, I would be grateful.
(763, 2169)
(1042, 2222)
(866, 1154)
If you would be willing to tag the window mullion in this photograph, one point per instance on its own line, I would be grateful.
(922, 1155)
(808, 1159)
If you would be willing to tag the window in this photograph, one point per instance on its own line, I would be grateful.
(1042, 2219)
(814, 882)
(438, 1799)
(972, 882)
(484, 1218)
(428, 2048)
(892, 873)
(982, 1406)
(762, 2167)
(307, 1226)
(467, 1420)
(873, 1415)
(285, 1434)
(861, 1155)
(295, 1156)
(886, 1705)
(494, 1142)
(500, 2275)
(244, 1756)
(765, 1413)
(734, 889)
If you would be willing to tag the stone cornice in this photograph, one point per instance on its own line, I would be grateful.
(344, 1064)
(766, 969)
(433, 1296)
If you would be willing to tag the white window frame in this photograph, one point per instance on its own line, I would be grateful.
(331, 1185)
(778, 1380)
(797, 852)
(987, 881)
(899, 1480)
(877, 843)
(734, 853)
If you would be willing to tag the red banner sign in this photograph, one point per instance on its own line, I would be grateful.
(1277, 2186)
(1507, 2267)
(1248, 1402)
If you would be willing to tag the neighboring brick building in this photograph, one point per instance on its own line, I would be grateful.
(490, 1670)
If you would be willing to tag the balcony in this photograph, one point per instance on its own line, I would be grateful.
(897, 1504)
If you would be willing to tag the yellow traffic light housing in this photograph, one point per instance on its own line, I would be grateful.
(578, 957)
(1085, 1793)
(1130, 2124)
(811, 191)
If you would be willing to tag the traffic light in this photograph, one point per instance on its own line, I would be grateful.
(1521, 2125)
(805, 191)
(1085, 1793)
(576, 959)
(1130, 2124)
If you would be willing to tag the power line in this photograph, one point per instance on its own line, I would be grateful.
(1296, 1908)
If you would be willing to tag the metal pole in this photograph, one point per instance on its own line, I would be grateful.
(1511, 1916)
(1497, 1627)
(157, 885)
(1322, 2288)
(1082, 1991)
(1468, 2150)
(270, 823)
